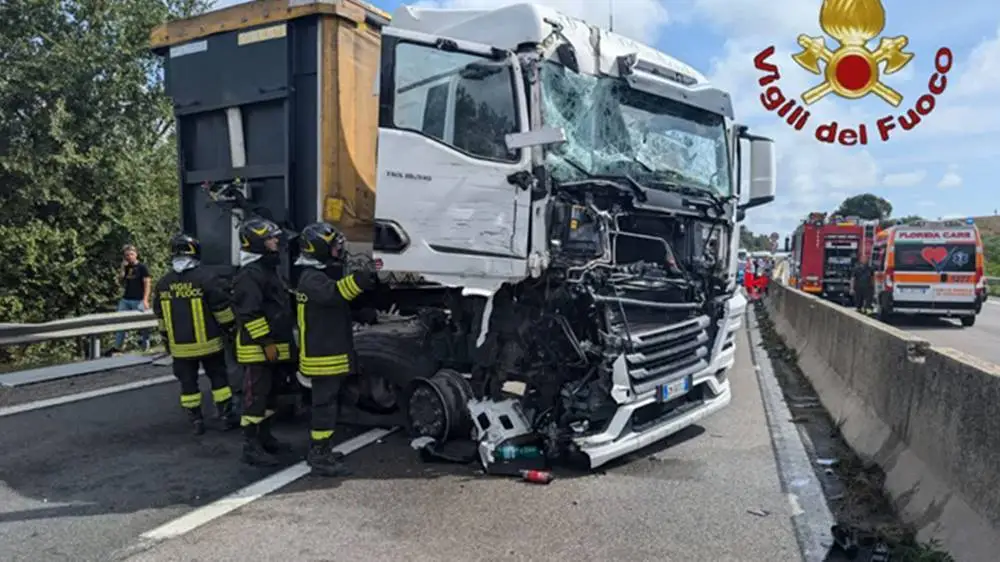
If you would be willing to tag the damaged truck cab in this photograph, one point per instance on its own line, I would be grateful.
(579, 195)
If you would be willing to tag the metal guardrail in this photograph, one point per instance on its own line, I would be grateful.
(90, 326)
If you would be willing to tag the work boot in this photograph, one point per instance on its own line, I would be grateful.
(268, 441)
(324, 461)
(197, 421)
(253, 452)
(228, 416)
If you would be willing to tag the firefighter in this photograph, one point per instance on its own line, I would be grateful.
(326, 337)
(193, 312)
(263, 308)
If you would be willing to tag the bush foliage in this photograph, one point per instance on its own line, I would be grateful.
(87, 154)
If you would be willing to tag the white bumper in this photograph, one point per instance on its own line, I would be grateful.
(620, 438)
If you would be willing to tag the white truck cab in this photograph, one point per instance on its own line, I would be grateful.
(582, 188)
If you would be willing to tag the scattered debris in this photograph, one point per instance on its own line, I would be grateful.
(759, 512)
(827, 462)
(537, 476)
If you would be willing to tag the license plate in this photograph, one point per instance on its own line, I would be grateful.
(675, 389)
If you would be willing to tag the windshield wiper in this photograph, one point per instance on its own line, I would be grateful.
(637, 188)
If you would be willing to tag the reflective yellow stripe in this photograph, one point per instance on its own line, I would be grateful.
(224, 316)
(348, 288)
(323, 371)
(320, 435)
(258, 328)
(191, 350)
(191, 400)
(300, 315)
(221, 394)
(198, 320)
(250, 420)
(354, 284)
(328, 360)
(255, 354)
(328, 365)
(168, 320)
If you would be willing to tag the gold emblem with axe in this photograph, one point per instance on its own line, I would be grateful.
(852, 69)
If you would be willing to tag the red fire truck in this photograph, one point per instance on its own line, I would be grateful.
(825, 250)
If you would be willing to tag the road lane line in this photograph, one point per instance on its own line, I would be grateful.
(191, 521)
(68, 399)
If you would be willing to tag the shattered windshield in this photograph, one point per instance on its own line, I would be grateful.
(614, 130)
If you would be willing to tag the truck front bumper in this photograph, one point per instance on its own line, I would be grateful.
(642, 418)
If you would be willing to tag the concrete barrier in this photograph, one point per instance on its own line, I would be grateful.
(929, 416)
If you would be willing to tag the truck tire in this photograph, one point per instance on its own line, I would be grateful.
(390, 358)
(968, 321)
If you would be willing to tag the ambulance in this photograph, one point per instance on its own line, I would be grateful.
(930, 269)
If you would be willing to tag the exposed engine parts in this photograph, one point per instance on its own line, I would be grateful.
(630, 303)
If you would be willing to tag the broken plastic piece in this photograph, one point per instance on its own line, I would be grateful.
(496, 423)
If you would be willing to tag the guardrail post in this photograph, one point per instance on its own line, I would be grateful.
(94, 346)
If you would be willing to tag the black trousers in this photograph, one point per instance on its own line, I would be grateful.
(186, 371)
(262, 384)
(863, 296)
(325, 405)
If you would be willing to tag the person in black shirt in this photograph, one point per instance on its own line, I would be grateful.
(862, 286)
(137, 286)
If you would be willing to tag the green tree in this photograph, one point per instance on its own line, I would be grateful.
(908, 219)
(754, 242)
(87, 158)
(866, 206)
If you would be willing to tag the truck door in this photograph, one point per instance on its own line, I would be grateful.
(446, 205)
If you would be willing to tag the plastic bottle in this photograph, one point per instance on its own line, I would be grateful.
(510, 452)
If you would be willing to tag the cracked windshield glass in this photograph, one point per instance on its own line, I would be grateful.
(614, 130)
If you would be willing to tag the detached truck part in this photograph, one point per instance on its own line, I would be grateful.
(557, 207)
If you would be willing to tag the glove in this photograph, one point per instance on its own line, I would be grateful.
(271, 352)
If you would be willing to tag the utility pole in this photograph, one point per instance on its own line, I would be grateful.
(611, 15)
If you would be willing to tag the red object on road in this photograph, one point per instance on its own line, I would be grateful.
(536, 476)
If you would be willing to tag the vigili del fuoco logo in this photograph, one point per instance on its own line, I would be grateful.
(851, 70)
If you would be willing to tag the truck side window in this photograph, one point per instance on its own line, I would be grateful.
(461, 99)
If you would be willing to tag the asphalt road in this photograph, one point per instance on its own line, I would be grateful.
(80, 480)
(981, 340)
(687, 500)
(83, 481)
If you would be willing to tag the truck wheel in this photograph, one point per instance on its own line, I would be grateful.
(390, 358)
(968, 321)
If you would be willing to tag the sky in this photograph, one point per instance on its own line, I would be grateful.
(942, 167)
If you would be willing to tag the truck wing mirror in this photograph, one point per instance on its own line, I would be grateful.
(763, 183)
(539, 137)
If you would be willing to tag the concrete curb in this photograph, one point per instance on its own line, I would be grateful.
(811, 515)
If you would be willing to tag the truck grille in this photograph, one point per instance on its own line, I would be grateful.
(669, 352)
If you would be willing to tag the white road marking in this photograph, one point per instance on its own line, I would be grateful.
(793, 501)
(255, 491)
(993, 302)
(60, 400)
